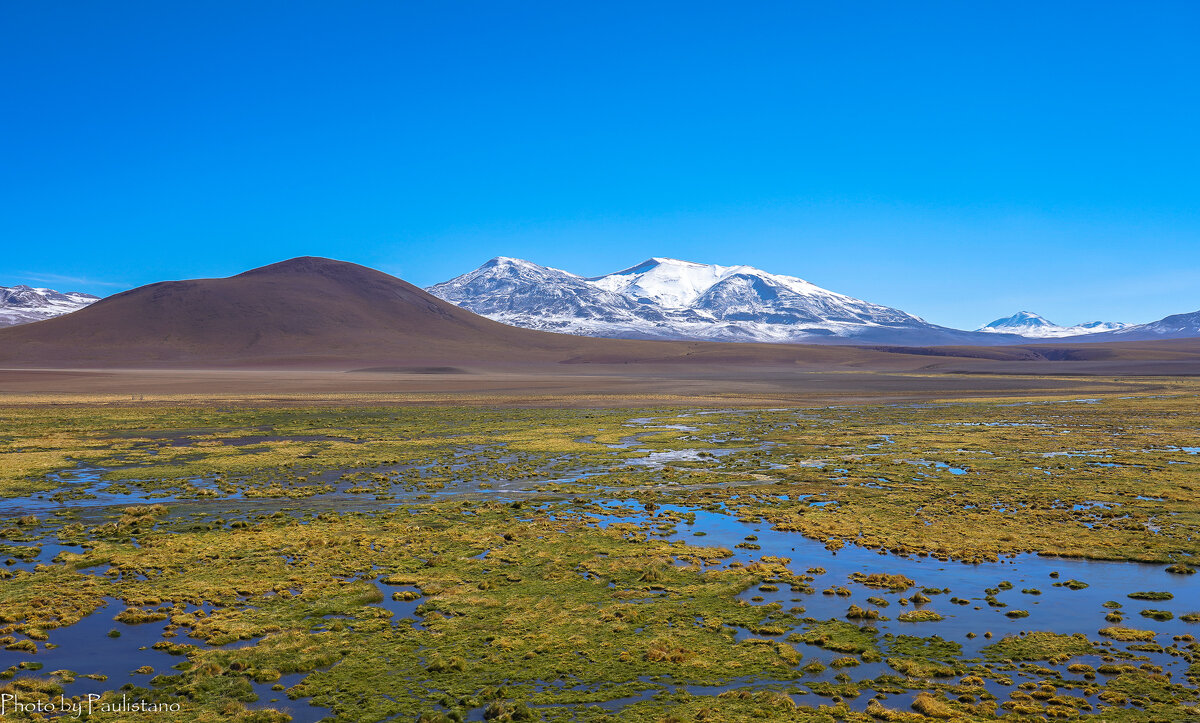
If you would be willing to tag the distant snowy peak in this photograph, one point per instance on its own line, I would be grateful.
(670, 283)
(1021, 318)
(502, 272)
(539, 297)
(742, 293)
(676, 284)
(1175, 326)
(665, 298)
(23, 304)
(1029, 324)
(1095, 327)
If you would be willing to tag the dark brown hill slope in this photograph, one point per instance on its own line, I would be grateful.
(302, 310)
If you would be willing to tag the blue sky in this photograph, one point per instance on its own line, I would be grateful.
(958, 160)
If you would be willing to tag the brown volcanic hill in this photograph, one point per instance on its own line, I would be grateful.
(321, 313)
(304, 309)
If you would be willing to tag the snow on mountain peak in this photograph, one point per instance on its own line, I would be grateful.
(23, 304)
(1021, 318)
(666, 282)
(1027, 323)
(677, 284)
(509, 263)
(664, 298)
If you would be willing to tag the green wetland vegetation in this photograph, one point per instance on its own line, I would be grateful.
(1015, 559)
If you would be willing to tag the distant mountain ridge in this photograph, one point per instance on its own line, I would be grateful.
(23, 304)
(1034, 326)
(670, 299)
(664, 298)
(1175, 326)
(321, 314)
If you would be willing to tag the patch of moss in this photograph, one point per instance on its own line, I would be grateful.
(1038, 646)
(1127, 634)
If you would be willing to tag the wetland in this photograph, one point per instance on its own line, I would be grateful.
(959, 559)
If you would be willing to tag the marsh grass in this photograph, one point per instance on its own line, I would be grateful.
(615, 611)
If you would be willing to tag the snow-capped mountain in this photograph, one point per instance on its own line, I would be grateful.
(1175, 326)
(23, 304)
(1029, 324)
(672, 299)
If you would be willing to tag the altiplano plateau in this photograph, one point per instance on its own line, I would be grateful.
(673, 362)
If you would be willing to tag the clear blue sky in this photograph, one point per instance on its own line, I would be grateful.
(959, 160)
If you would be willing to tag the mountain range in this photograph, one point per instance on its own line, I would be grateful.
(23, 304)
(670, 299)
(665, 298)
(1175, 326)
(1033, 326)
(319, 314)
